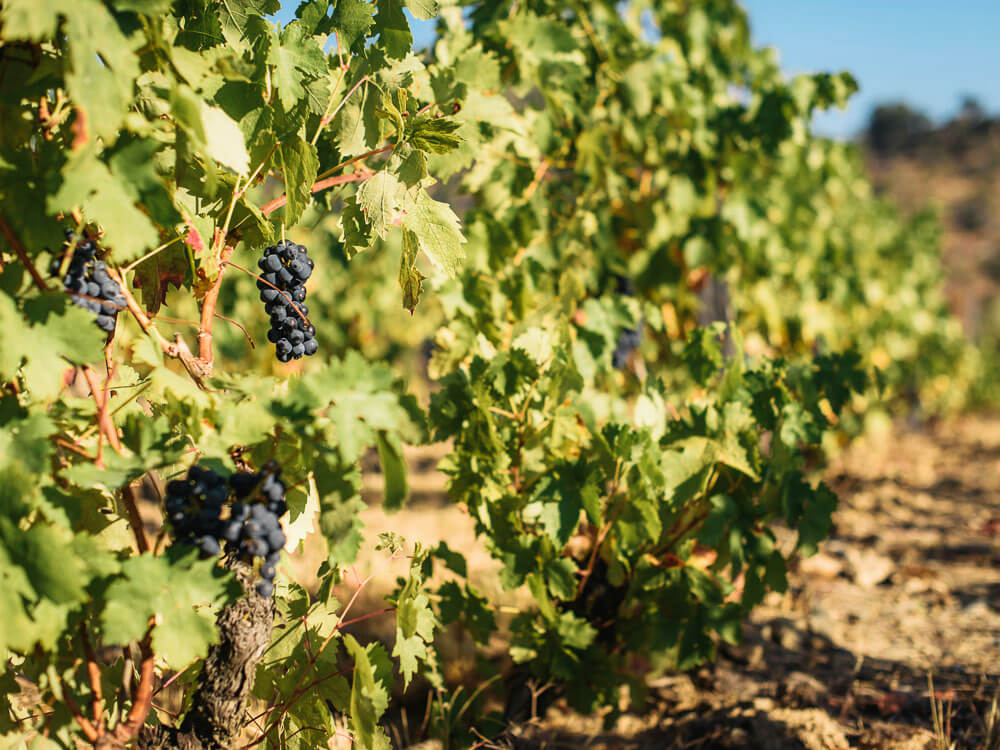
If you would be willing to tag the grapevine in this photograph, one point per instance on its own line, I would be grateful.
(552, 193)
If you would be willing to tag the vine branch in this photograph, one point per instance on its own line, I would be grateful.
(318, 186)
(94, 677)
(22, 254)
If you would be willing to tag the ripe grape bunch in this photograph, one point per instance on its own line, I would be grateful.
(90, 284)
(628, 341)
(250, 530)
(630, 338)
(285, 267)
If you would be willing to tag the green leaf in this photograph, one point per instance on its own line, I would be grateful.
(296, 60)
(237, 16)
(30, 19)
(103, 199)
(352, 19)
(423, 9)
(224, 140)
(379, 198)
(410, 279)
(40, 552)
(26, 442)
(437, 229)
(356, 232)
(180, 593)
(433, 134)
(52, 332)
(393, 28)
(299, 165)
(369, 695)
(104, 69)
(393, 465)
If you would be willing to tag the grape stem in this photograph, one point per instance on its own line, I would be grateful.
(143, 698)
(135, 520)
(208, 311)
(22, 255)
(148, 327)
(319, 185)
(94, 677)
(107, 427)
(88, 729)
(284, 294)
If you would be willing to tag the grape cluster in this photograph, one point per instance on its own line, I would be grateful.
(90, 284)
(630, 338)
(252, 528)
(628, 342)
(194, 507)
(285, 267)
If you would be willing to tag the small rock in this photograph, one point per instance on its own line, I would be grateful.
(800, 690)
(822, 565)
(812, 729)
(868, 568)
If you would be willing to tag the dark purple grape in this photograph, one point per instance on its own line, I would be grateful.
(276, 539)
(208, 546)
(232, 530)
(255, 547)
(265, 589)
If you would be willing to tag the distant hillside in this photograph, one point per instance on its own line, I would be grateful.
(954, 168)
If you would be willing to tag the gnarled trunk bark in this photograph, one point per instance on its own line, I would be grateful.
(216, 718)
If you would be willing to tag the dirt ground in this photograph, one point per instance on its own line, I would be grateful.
(906, 589)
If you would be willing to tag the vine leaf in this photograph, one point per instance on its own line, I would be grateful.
(423, 9)
(437, 230)
(393, 29)
(174, 595)
(154, 276)
(224, 139)
(296, 59)
(56, 329)
(356, 232)
(89, 184)
(410, 279)
(390, 458)
(378, 197)
(299, 165)
(369, 693)
(352, 19)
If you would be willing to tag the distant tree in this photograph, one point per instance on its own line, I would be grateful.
(971, 110)
(895, 127)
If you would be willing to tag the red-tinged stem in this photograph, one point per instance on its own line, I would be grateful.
(103, 418)
(172, 679)
(143, 698)
(141, 318)
(355, 160)
(280, 201)
(368, 616)
(135, 519)
(94, 677)
(88, 729)
(22, 255)
(208, 311)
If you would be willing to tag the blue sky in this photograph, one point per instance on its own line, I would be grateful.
(925, 52)
(928, 53)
